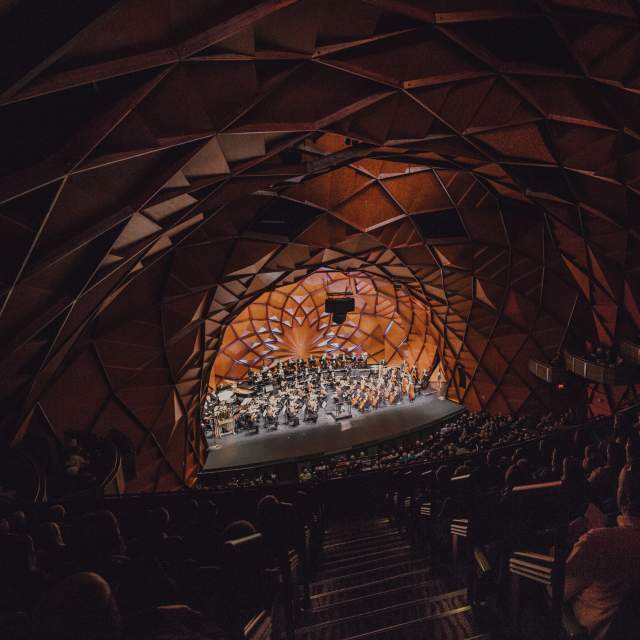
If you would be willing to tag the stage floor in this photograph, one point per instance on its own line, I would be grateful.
(328, 436)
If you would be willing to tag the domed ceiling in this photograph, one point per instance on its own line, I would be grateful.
(166, 162)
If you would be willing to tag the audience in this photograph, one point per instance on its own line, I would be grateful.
(604, 479)
(467, 435)
(604, 564)
(602, 355)
(92, 575)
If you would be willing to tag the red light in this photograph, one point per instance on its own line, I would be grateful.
(561, 386)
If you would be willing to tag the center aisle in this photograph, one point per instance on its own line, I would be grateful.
(371, 585)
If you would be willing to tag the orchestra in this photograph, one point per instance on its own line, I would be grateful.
(298, 389)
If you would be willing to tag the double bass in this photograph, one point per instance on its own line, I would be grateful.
(364, 400)
(374, 397)
(412, 390)
(424, 382)
(405, 384)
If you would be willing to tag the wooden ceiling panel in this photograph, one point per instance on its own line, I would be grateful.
(169, 163)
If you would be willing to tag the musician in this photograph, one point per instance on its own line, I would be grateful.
(288, 367)
(311, 410)
(292, 413)
(271, 415)
(302, 397)
(265, 376)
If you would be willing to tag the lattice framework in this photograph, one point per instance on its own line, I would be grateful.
(290, 322)
(484, 154)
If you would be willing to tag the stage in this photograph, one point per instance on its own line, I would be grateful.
(329, 436)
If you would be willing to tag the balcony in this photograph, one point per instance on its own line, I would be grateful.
(601, 373)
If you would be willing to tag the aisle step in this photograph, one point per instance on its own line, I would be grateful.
(350, 527)
(359, 533)
(377, 586)
(354, 552)
(357, 620)
(378, 600)
(364, 540)
(371, 555)
(367, 576)
(358, 564)
(453, 624)
(371, 586)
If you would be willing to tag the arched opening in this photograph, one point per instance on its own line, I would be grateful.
(388, 324)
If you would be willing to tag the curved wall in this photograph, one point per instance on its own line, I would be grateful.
(290, 322)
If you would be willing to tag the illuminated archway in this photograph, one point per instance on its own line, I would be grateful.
(290, 322)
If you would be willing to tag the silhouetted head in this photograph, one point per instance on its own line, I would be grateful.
(209, 512)
(17, 522)
(632, 449)
(100, 534)
(591, 459)
(48, 537)
(629, 491)
(615, 455)
(17, 555)
(493, 459)
(158, 520)
(81, 607)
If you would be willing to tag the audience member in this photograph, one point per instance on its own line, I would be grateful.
(605, 563)
(81, 607)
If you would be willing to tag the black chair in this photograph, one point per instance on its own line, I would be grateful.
(539, 521)
(248, 602)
